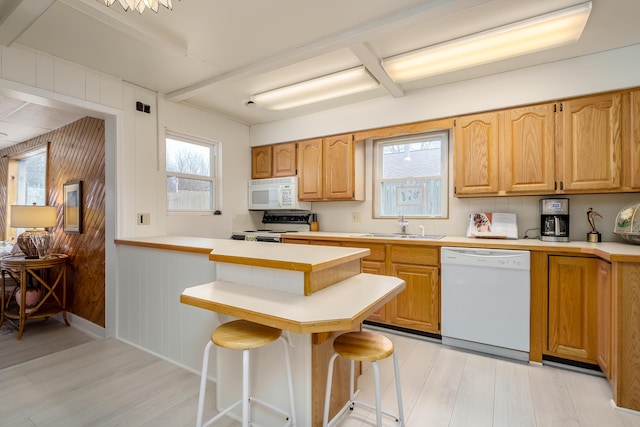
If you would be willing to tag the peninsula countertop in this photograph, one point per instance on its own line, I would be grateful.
(263, 254)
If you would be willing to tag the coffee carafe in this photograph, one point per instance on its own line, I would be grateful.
(554, 220)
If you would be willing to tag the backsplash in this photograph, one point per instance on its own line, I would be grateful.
(337, 216)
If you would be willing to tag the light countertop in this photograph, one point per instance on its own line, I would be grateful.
(611, 251)
(342, 306)
(263, 254)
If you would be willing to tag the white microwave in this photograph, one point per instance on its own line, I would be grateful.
(275, 194)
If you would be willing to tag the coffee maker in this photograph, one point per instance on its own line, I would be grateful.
(554, 220)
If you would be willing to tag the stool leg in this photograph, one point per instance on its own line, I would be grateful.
(398, 389)
(203, 383)
(376, 376)
(352, 386)
(287, 361)
(327, 396)
(245, 388)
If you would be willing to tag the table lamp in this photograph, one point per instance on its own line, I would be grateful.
(34, 242)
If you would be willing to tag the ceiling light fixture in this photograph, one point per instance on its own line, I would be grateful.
(542, 32)
(140, 5)
(319, 89)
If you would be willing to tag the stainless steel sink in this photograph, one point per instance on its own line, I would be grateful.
(400, 236)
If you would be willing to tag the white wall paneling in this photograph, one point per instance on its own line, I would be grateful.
(149, 312)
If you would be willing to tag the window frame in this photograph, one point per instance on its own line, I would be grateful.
(377, 170)
(13, 190)
(214, 172)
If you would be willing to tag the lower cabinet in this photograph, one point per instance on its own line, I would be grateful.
(604, 308)
(418, 306)
(572, 308)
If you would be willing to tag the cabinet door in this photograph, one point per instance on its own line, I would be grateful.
(261, 162)
(418, 306)
(310, 169)
(591, 141)
(476, 154)
(604, 316)
(527, 145)
(339, 173)
(572, 308)
(375, 267)
(631, 147)
(284, 159)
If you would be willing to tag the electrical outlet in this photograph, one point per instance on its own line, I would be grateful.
(355, 216)
(144, 219)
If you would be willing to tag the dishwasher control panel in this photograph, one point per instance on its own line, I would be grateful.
(495, 258)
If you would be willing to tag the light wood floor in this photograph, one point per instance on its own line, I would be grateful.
(109, 383)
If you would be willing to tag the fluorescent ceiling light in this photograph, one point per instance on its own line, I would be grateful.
(320, 89)
(542, 32)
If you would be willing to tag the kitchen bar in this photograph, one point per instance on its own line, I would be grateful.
(314, 293)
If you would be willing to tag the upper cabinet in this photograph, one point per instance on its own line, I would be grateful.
(631, 150)
(574, 146)
(476, 154)
(331, 168)
(261, 162)
(268, 161)
(527, 147)
(591, 130)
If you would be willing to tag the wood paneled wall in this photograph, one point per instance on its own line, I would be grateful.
(76, 152)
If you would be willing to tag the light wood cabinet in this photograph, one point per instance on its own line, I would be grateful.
(631, 145)
(527, 149)
(284, 159)
(269, 161)
(261, 162)
(418, 306)
(604, 310)
(310, 172)
(572, 312)
(331, 168)
(591, 132)
(476, 154)
(573, 146)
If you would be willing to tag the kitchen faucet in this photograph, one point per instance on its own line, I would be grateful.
(403, 224)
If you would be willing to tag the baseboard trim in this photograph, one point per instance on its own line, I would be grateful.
(77, 322)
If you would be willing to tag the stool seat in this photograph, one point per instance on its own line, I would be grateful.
(363, 346)
(244, 335)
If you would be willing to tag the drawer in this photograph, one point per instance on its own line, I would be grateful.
(415, 255)
(378, 251)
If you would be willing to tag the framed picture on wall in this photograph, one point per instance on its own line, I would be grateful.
(72, 207)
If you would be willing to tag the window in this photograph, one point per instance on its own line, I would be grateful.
(191, 174)
(27, 182)
(411, 176)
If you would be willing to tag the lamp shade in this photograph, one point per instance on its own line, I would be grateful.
(25, 216)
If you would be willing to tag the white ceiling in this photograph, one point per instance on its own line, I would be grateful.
(216, 54)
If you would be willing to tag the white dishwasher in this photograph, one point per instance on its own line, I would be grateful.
(486, 300)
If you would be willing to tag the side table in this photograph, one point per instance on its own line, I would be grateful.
(48, 273)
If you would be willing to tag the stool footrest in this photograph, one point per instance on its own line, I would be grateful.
(251, 401)
(366, 405)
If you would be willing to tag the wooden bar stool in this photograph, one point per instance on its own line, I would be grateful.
(364, 347)
(244, 335)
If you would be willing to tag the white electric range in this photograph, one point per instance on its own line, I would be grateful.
(276, 224)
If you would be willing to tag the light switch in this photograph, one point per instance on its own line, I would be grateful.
(144, 219)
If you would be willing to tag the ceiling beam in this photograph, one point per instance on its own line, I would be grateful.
(423, 13)
(372, 62)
